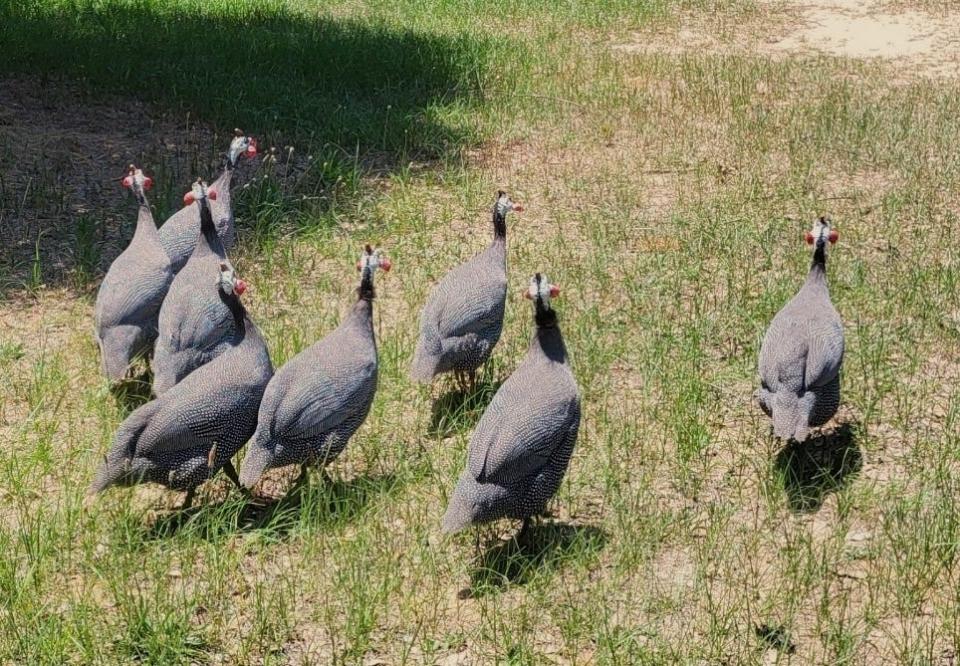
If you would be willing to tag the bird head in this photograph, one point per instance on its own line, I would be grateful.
(821, 233)
(241, 146)
(505, 205)
(373, 259)
(229, 283)
(369, 262)
(136, 181)
(199, 193)
(540, 292)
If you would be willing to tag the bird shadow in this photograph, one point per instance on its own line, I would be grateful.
(542, 550)
(458, 410)
(303, 506)
(813, 469)
(133, 391)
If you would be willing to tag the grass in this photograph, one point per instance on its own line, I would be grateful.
(666, 191)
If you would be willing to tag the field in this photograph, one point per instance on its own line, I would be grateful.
(669, 154)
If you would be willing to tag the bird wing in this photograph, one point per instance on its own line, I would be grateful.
(518, 434)
(194, 413)
(824, 351)
(193, 316)
(467, 300)
(207, 325)
(783, 354)
(131, 292)
(322, 390)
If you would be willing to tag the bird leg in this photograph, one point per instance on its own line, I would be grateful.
(476, 543)
(325, 477)
(524, 530)
(188, 500)
(231, 473)
(304, 475)
(473, 381)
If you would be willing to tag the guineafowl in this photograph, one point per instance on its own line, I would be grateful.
(179, 233)
(193, 430)
(130, 295)
(463, 317)
(522, 445)
(316, 401)
(195, 324)
(802, 351)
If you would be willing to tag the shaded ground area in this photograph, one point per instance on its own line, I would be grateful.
(163, 85)
(63, 214)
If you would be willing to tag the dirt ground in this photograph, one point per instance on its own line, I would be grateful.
(913, 41)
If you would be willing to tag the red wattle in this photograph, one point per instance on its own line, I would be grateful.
(212, 195)
(127, 181)
(518, 208)
(385, 265)
(554, 291)
(239, 287)
(809, 238)
(188, 198)
(834, 236)
(147, 183)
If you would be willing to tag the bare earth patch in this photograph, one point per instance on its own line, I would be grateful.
(911, 41)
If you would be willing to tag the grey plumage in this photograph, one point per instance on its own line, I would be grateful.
(195, 325)
(802, 352)
(129, 299)
(179, 233)
(186, 435)
(318, 400)
(522, 445)
(462, 319)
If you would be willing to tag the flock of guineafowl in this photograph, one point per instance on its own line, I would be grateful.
(172, 296)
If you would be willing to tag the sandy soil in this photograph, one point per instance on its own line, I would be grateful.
(912, 41)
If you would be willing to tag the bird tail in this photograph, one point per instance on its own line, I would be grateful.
(117, 350)
(163, 379)
(460, 511)
(424, 365)
(257, 460)
(789, 421)
(111, 472)
(169, 368)
(116, 466)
